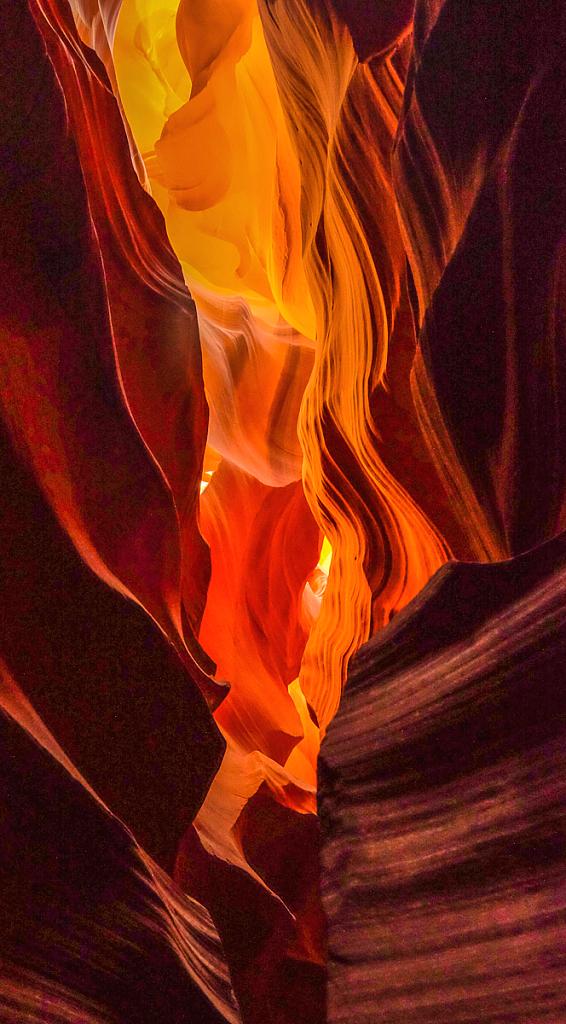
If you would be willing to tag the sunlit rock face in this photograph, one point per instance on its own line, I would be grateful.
(254, 128)
(256, 145)
(278, 349)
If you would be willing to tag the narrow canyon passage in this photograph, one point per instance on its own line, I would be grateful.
(282, 419)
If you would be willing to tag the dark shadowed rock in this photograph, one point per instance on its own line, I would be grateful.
(442, 785)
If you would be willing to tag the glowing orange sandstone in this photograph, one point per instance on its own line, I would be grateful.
(267, 147)
(246, 146)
